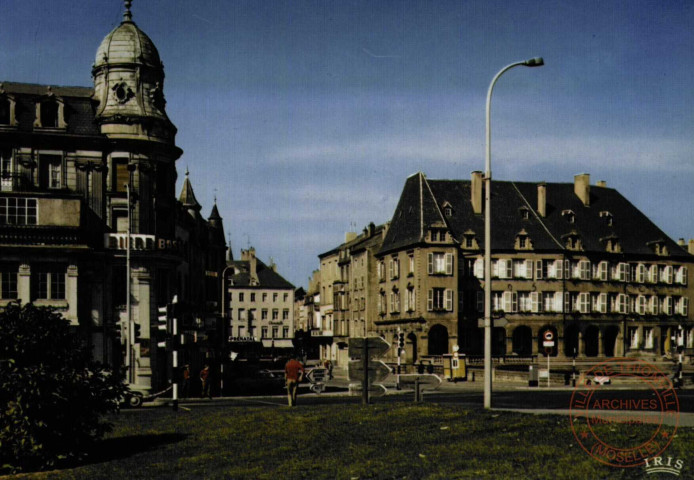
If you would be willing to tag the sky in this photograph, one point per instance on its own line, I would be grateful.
(304, 118)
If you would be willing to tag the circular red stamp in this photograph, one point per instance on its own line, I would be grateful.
(624, 425)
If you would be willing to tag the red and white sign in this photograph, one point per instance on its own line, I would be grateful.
(548, 339)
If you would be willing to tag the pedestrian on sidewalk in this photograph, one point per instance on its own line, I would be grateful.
(293, 373)
(329, 367)
(185, 388)
(205, 381)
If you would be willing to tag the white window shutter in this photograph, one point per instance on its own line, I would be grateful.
(449, 300)
(430, 263)
(430, 300)
(449, 264)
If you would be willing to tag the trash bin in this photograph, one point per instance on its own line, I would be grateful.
(533, 376)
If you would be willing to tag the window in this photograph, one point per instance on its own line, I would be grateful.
(285, 314)
(411, 266)
(621, 303)
(285, 332)
(667, 305)
(264, 297)
(49, 114)
(394, 268)
(682, 306)
(602, 303)
(6, 170)
(381, 271)
(503, 268)
(382, 303)
(50, 285)
(120, 175)
(569, 215)
(621, 272)
(510, 302)
(682, 274)
(633, 337)
(285, 297)
(18, 211)
(395, 302)
(241, 297)
(480, 301)
(252, 297)
(667, 274)
(409, 300)
(275, 314)
(584, 270)
(274, 297)
(440, 263)
(641, 304)
(653, 305)
(242, 314)
(263, 332)
(448, 211)
(469, 241)
(641, 273)
(263, 314)
(653, 274)
(275, 331)
(4, 110)
(440, 299)
(647, 337)
(8, 284)
(583, 304)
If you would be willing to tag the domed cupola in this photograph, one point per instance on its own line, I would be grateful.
(128, 85)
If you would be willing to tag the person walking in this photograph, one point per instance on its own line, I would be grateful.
(185, 388)
(329, 367)
(205, 381)
(293, 374)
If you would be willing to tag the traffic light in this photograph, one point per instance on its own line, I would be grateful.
(137, 330)
(163, 318)
(401, 340)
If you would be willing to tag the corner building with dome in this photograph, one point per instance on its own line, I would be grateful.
(71, 160)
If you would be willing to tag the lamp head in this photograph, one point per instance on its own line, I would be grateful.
(534, 62)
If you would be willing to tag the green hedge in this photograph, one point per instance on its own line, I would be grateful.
(52, 395)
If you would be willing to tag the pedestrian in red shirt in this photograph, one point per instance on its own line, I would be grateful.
(293, 373)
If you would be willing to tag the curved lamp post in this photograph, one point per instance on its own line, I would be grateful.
(533, 62)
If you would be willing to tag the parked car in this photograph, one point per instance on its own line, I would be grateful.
(135, 395)
(256, 382)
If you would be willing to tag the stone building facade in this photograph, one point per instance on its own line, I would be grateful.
(71, 158)
(575, 259)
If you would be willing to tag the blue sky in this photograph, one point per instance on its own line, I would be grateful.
(304, 118)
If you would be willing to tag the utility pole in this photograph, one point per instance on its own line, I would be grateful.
(130, 343)
(174, 354)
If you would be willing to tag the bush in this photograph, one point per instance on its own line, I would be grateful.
(52, 394)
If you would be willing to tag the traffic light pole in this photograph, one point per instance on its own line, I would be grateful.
(174, 360)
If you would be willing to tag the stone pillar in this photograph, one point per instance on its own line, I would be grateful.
(141, 293)
(24, 284)
(71, 295)
(619, 343)
(581, 344)
(601, 346)
(509, 341)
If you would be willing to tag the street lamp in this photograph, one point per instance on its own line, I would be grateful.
(533, 62)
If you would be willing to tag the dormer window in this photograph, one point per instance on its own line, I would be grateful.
(469, 241)
(612, 244)
(659, 247)
(50, 112)
(572, 241)
(447, 210)
(438, 235)
(524, 213)
(569, 215)
(7, 109)
(607, 216)
(523, 241)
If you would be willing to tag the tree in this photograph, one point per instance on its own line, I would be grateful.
(52, 394)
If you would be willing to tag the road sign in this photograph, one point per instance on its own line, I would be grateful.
(427, 381)
(317, 375)
(376, 347)
(375, 390)
(549, 336)
(378, 371)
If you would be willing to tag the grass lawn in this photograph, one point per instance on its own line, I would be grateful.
(396, 441)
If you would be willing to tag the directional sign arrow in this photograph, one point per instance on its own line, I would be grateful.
(375, 390)
(317, 375)
(428, 381)
(378, 371)
(376, 347)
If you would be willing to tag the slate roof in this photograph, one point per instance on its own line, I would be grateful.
(79, 107)
(267, 277)
(421, 203)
